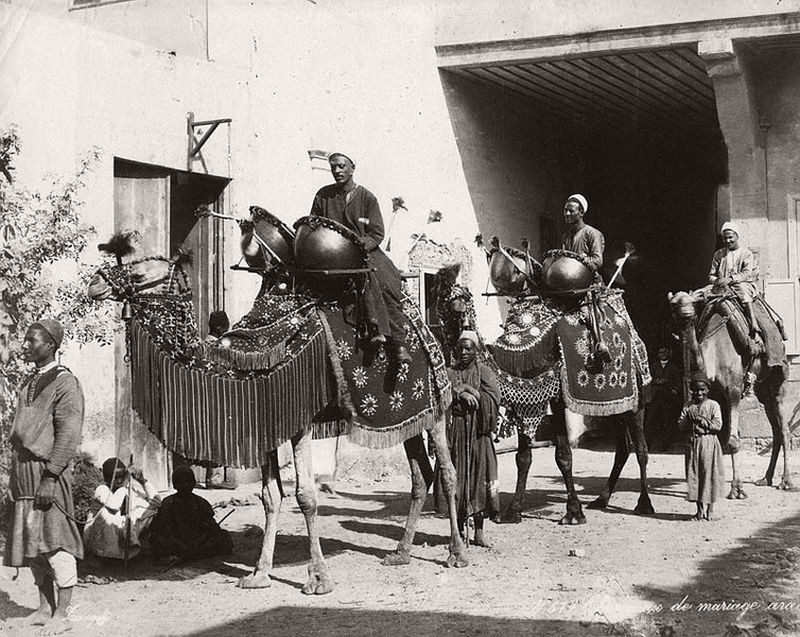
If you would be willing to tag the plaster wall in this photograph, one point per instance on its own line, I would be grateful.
(457, 20)
(292, 78)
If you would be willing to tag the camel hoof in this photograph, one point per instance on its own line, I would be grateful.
(318, 585)
(644, 506)
(787, 484)
(511, 517)
(599, 504)
(457, 560)
(764, 482)
(573, 519)
(397, 558)
(254, 580)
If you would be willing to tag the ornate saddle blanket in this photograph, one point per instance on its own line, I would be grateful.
(528, 344)
(387, 403)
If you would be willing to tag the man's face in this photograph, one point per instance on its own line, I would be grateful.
(341, 169)
(466, 352)
(572, 212)
(663, 354)
(730, 239)
(37, 346)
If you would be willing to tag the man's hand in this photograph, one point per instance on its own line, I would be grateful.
(470, 401)
(46, 493)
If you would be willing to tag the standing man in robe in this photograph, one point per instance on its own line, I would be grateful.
(356, 208)
(45, 435)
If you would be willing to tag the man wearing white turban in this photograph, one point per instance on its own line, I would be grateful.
(580, 237)
(734, 268)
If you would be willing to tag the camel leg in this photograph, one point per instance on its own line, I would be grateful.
(737, 491)
(564, 461)
(458, 554)
(636, 427)
(271, 499)
(421, 479)
(780, 439)
(524, 458)
(620, 458)
(319, 581)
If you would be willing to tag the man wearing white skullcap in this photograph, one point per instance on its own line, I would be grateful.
(580, 237)
(356, 208)
(734, 268)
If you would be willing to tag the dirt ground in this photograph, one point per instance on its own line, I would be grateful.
(660, 575)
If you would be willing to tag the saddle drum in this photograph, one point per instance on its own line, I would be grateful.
(509, 276)
(323, 244)
(274, 244)
(565, 271)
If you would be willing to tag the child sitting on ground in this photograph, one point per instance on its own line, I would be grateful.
(106, 527)
(185, 527)
(705, 476)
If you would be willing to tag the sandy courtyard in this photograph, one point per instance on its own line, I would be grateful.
(660, 575)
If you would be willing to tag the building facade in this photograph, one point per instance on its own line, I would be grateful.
(670, 118)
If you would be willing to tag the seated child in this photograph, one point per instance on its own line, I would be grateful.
(106, 527)
(705, 476)
(185, 527)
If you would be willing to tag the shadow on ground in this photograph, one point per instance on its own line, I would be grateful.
(758, 576)
(302, 620)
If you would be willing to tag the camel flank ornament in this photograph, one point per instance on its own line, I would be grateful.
(544, 358)
(717, 342)
(292, 368)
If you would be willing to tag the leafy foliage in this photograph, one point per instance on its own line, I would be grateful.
(42, 238)
(86, 477)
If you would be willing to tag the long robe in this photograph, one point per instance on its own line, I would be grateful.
(469, 436)
(44, 437)
(362, 214)
(705, 474)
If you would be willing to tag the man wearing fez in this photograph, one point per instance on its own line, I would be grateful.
(45, 435)
(356, 208)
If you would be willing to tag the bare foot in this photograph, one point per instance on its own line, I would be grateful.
(56, 626)
(39, 617)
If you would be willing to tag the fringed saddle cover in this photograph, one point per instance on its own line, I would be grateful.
(589, 391)
(389, 404)
(206, 415)
(528, 344)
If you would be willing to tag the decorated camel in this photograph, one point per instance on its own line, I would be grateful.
(544, 359)
(293, 368)
(718, 342)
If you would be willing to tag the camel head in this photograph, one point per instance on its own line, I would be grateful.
(126, 280)
(682, 305)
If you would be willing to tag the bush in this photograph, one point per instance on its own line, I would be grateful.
(86, 477)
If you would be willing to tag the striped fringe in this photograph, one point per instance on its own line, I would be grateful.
(245, 361)
(523, 361)
(390, 436)
(204, 416)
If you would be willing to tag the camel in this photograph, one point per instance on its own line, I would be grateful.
(455, 310)
(157, 297)
(715, 352)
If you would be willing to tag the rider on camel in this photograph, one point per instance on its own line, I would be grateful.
(355, 207)
(734, 268)
(588, 242)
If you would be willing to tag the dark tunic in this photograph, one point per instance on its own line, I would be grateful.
(185, 526)
(362, 215)
(469, 435)
(45, 435)
(588, 242)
